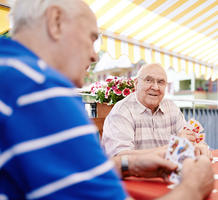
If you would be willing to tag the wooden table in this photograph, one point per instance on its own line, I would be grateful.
(147, 189)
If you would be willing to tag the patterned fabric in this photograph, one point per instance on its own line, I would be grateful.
(49, 147)
(131, 126)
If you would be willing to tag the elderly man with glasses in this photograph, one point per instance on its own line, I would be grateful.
(144, 121)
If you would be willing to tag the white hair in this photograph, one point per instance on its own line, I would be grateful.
(26, 12)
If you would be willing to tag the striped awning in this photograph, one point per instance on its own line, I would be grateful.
(182, 34)
(178, 33)
(4, 20)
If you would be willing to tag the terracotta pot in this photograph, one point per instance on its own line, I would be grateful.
(99, 122)
(103, 109)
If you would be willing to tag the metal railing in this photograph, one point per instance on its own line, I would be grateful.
(208, 117)
(198, 102)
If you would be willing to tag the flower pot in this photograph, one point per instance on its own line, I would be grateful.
(103, 109)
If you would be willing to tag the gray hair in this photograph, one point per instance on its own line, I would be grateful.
(26, 12)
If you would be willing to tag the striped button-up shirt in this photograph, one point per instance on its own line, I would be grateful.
(131, 126)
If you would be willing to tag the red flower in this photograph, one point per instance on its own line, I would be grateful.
(106, 94)
(126, 91)
(117, 91)
(109, 80)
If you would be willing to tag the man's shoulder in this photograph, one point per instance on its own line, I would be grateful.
(126, 102)
(169, 106)
(20, 77)
(16, 74)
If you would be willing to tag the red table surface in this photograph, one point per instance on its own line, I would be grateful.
(146, 189)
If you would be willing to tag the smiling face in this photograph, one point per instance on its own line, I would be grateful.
(150, 86)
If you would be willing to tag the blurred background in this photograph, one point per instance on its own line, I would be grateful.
(181, 35)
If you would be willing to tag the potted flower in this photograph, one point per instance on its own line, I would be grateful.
(111, 91)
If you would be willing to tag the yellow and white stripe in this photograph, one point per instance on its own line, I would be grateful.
(154, 29)
(4, 20)
(135, 52)
(165, 31)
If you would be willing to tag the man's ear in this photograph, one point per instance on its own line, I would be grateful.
(54, 20)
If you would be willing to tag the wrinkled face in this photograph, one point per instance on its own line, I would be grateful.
(76, 49)
(150, 86)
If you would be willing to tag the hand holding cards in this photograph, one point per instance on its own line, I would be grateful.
(195, 126)
(178, 150)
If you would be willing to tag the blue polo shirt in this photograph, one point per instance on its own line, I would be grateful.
(48, 146)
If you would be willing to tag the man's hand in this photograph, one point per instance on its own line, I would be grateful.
(197, 180)
(190, 135)
(203, 149)
(198, 176)
(160, 151)
(200, 148)
(149, 165)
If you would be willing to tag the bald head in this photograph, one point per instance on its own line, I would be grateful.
(149, 68)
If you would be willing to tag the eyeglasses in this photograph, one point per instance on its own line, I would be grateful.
(151, 81)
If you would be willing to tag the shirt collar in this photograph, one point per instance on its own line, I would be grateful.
(161, 107)
(141, 108)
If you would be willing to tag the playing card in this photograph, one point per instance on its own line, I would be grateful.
(195, 126)
(175, 178)
(178, 150)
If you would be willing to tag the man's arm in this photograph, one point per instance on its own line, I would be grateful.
(144, 165)
(118, 131)
(197, 181)
(160, 151)
(197, 175)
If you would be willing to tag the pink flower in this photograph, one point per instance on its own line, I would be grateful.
(107, 92)
(117, 91)
(126, 91)
(114, 87)
(97, 84)
(93, 89)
